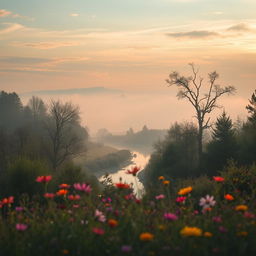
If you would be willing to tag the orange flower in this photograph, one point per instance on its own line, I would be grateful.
(146, 236)
(74, 197)
(64, 186)
(185, 191)
(229, 197)
(191, 231)
(161, 177)
(166, 182)
(62, 192)
(241, 207)
(112, 223)
(207, 234)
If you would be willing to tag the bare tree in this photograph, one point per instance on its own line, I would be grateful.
(202, 98)
(37, 107)
(65, 132)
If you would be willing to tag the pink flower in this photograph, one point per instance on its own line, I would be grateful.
(21, 227)
(126, 248)
(181, 199)
(249, 215)
(170, 216)
(44, 179)
(19, 208)
(83, 187)
(98, 231)
(161, 196)
(207, 202)
(217, 219)
(100, 216)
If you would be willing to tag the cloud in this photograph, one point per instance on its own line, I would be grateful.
(4, 13)
(46, 45)
(10, 27)
(242, 27)
(196, 34)
(74, 14)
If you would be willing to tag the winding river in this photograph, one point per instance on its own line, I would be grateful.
(139, 160)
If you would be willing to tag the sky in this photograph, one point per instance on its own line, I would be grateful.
(130, 45)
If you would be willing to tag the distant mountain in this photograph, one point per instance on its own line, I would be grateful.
(80, 91)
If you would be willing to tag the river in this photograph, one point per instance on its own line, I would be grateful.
(139, 160)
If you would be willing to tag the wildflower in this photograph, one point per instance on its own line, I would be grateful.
(161, 177)
(62, 192)
(44, 179)
(218, 178)
(98, 231)
(181, 199)
(217, 219)
(207, 202)
(112, 223)
(166, 182)
(191, 231)
(241, 207)
(126, 248)
(19, 208)
(185, 191)
(249, 215)
(21, 227)
(49, 195)
(122, 185)
(170, 216)
(64, 186)
(133, 171)
(83, 187)
(65, 251)
(100, 216)
(208, 234)
(242, 233)
(161, 196)
(223, 229)
(7, 200)
(146, 236)
(74, 197)
(229, 197)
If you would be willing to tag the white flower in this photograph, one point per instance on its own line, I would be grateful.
(207, 202)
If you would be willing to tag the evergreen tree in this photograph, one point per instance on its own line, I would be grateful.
(223, 145)
(252, 108)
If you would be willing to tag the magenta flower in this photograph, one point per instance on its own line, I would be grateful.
(19, 208)
(83, 187)
(181, 199)
(161, 196)
(217, 219)
(98, 231)
(170, 216)
(223, 229)
(21, 227)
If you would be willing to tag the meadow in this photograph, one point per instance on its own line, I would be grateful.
(201, 216)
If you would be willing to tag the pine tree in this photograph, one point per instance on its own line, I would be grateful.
(252, 108)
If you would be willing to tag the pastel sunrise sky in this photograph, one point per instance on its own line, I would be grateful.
(129, 45)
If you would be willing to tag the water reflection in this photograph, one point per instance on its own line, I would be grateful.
(139, 160)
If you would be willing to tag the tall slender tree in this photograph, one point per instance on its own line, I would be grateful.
(202, 98)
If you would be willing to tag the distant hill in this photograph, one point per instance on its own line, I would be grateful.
(80, 91)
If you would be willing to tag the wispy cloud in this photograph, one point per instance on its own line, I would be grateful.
(196, 34)
(4, 13)
(242, 27)
(74, 14)
(10, 27)
(45, 45)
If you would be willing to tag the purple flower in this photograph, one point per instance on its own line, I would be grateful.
(126, 248)
(19, 209)
(223, 229)
(170, 216)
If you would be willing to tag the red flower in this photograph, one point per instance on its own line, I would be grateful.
(7, 200)
(74, 197)
(122, 185)
(64, 186)
(218, 178)
(49, 195)
(133, 171)
(44, 179)
(98, 231)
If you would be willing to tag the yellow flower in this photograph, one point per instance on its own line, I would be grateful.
(242, 233)
(191, 231)
(241, 207)
(161, 227)
(146, 236)
(166, 182)
(208, 234)
(161, 178)
(185, 191)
